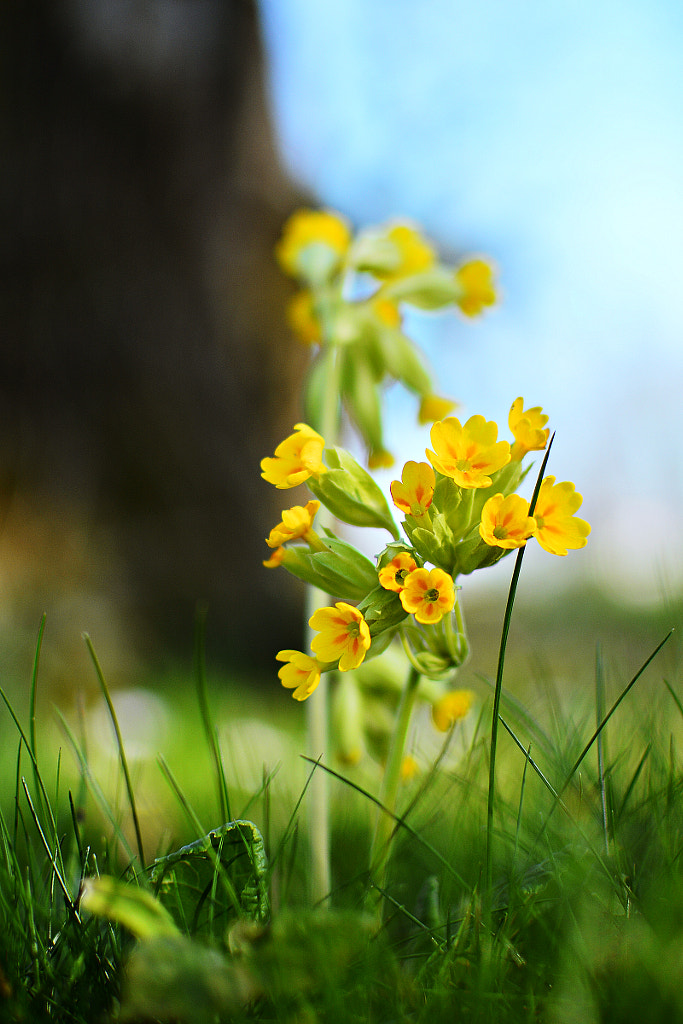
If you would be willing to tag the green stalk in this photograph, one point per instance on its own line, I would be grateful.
(381, 841)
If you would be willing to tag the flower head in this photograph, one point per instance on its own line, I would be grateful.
(505, 521)
(468, 453)
(433, 407)
(413, 493)
(528, 428)
(301, 673)
(301, 317)
(557, 528)
(311, 236)
(428, 594)
(296, 522)
(343, 635)
(450, 708)
(413, 253)
(393, 575)
(296, 458)
(476, 281)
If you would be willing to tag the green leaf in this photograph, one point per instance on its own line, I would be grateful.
(136, 909)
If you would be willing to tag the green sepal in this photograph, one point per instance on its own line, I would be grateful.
(360, 394)
(437, 544)
(402, 360)
(314, 389)
(430, 289)
(394, 548)
(474, 553)
(342, 571)
(374, 253)
(382, 610)
(350, 493)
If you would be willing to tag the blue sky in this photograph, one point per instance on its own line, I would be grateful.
(550, 136)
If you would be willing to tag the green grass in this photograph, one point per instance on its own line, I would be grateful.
(582, 921)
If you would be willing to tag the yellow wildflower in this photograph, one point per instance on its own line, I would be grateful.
(428, 594)
(343, 635)
(300, 315)
(393, 575)
(275, 559)
(409, 768)
(414, 492)
(414, 253)
(306, 229)
(296, 522)
(380, 458)
(296, 458)
(433, 407)
(505, 522)
(476, 281)
(527, 428)
(450, 708)
(557, 528)
(386, 311)
(301, 673)
(468, 453)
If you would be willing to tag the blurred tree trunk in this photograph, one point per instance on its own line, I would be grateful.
(144, 365)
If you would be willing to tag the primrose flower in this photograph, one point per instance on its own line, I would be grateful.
(275, 559)
(413, 493)
(414, 253)
(393, 575)
(311, 235)
(301, 673)
(409, 768)
(450, 708)
(296, 458)
(300, 315)
(343, 635)
(468, 453)
(476, 281)
(433, 407)
(528, 428)
(505, 522)
(296, 522)
(557, 528)
(386, 311)
(380, 458)
(428, 594)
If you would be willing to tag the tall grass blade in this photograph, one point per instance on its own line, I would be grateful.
(209, 728)
(51, 857)
(32, 692)
(601, 743)
(122, 753)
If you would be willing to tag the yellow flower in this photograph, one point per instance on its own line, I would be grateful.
(343, 635)
(505, 522)
(301, 318)
(414, 253)
(380, 458)
(527, 428)
(453, 706)
(409, 768)
(432, 408)
(296, 458)
(468, 453)
(386, 311)
(414, 492)
(476, 281)
(296, 522)
(301, 673)
(557, 528)
(275, 559)
(393, 575)
(428, 594)
(310, 230)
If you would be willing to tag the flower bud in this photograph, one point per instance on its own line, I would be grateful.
(350, 493)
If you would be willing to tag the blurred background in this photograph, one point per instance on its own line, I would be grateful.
(152, 150)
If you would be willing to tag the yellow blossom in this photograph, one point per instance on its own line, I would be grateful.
(386, 311)
(476, 281)
(557, 528)
(301, 673)
(528, 428)
(468, 453)
(296, 458)
(505, 521)
(343, 635)
(413, 493)
(296, 522)
(306, 229)
(393, 575)
(380, 458)
(409, 768)
(301, 318)
(450, 708)
(428, 594)
(433, 407)
(414, 253)
(275, 559)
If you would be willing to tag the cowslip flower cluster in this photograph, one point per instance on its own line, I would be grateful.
(350, 301)
(461, 513)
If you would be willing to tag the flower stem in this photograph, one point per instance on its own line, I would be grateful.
(381, 842)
